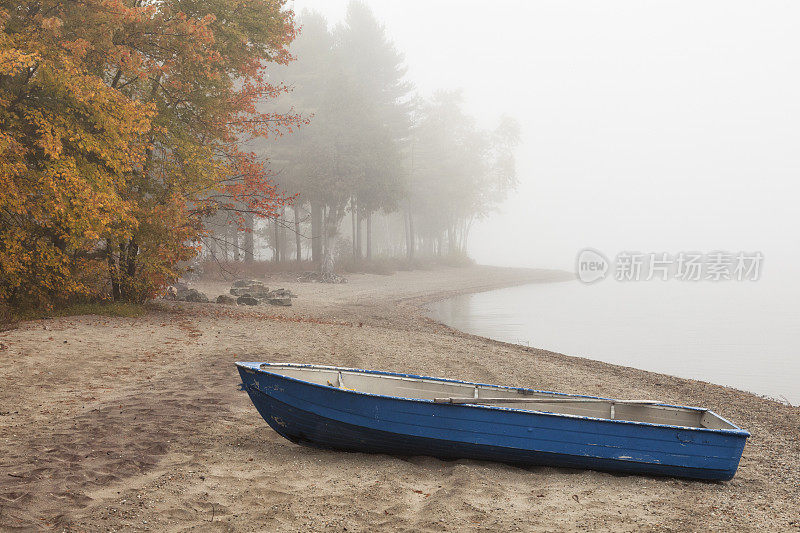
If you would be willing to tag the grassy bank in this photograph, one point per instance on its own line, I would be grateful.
(9, 317)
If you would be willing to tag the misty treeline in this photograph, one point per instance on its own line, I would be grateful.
(134, 135)
(377, 171)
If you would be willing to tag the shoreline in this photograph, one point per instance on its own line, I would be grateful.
(137, 423)
(436, 298)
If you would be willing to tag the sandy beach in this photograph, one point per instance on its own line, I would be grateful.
(139, 424)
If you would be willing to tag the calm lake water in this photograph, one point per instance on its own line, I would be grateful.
(742, 334)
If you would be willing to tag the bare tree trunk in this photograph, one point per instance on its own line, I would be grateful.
(225, 243)
(467, 228)
(284, 241)
(327, 256)
(409, 226)
(406, 231)
(249, 236)
(353, 224)
(113, 273)
(412, 236)
(325, 213)
(298, 246)
(359, 247)
(326, 268)
(277, 244)
(369, 236)
(133, 251)
(235, 242)
(316, 233)
(211, 248)
(451, 245)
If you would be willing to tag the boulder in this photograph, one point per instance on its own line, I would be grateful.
(240, 291)
(246, 300)
(259, 292)
(281, 293)
(193, 295)
(251, 287)
(246, 283)
(287, 302)
(181, 291)
(226, 300)
(319, 277)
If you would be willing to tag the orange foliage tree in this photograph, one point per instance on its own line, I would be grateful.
(121, 123)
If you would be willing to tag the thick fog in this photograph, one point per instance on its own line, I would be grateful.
(649, 126)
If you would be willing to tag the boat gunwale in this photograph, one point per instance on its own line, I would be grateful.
(257, 366)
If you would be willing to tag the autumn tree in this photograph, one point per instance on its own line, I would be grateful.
(121, 126)
(203, 66)
(65, 142)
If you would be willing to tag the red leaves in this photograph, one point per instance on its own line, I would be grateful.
(133, 137)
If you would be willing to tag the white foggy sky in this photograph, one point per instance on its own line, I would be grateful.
(650, 126)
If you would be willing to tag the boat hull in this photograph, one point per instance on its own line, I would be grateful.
(345, 420)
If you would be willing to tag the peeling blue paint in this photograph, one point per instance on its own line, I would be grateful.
(354, 420)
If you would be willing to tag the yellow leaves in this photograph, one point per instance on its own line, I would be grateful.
(49, 138)
(64, 157)
(12, 160)
(13, 61)
(83, 163)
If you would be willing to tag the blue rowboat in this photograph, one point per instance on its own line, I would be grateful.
(402, 414)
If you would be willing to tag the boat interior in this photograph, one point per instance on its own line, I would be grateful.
(648, 411)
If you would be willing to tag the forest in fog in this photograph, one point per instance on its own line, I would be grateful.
(374, 170)
(139, 140)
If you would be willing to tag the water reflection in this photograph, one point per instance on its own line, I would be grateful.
(743, 335)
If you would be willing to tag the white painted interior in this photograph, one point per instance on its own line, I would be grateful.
(438, 390)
